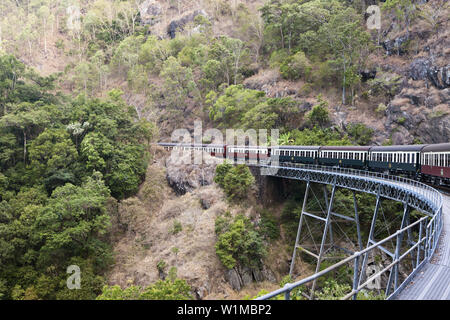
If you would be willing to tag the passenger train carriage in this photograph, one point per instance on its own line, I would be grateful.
(248, 153)
(422, 162)
(435, 160)
(295, 154)
(402, 159)
(345, 156)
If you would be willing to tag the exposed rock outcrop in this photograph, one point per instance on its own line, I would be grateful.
(184, 175)
(150, 12)
(179, 24)
(423, 69)
(240, 277)
(395, 46)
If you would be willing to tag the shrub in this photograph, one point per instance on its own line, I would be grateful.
(170, 289)
(296, 67)
(221, 172)
(381, 109)
(161, 265)
(237, 182)
(360, 134)
(238, 242)
(269, 225)
(177, 227)
(401, 120)
(334, 291)
(319, 114)
(277, 57)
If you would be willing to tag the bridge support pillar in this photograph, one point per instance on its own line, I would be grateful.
(371, 237)
(327, 230)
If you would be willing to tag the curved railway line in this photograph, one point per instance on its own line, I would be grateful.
(429, 251)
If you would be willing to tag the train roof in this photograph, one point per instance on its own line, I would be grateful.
(345, 148)
(315, 148)
(440, 147)
(248, 147)
(415, 147)
(171, 144)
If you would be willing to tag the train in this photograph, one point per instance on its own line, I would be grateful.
(428, 163)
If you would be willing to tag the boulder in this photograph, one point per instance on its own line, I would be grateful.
(179, 24)
(234, 279)
(423, 69)
(305, 107)
(246, 276)
(368, 74)
(268, 274)
(257, 275)
(184, 175)
(150, 11)
(395, 46)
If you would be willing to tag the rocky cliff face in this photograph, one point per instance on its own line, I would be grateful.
(421, 110)
(181, 193)
(183, 175)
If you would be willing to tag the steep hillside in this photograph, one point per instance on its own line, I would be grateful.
(310, 68)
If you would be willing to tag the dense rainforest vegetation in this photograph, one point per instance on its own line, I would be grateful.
(71, 147)
(62, 159)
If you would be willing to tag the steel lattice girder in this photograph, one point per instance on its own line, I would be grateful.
(388, 189)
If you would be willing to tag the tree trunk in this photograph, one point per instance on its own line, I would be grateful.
(24, 146)
(343, 87)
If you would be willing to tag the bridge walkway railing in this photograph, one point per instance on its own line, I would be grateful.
(430, 226)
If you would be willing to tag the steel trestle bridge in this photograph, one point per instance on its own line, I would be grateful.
(420, 245)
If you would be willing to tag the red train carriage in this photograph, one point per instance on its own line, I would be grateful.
(247, 153)
(215, 150)
(435, 160)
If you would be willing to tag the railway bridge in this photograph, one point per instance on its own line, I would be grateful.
(425, 242)
(418, 252)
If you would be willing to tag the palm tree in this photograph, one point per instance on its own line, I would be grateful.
(285, 139)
